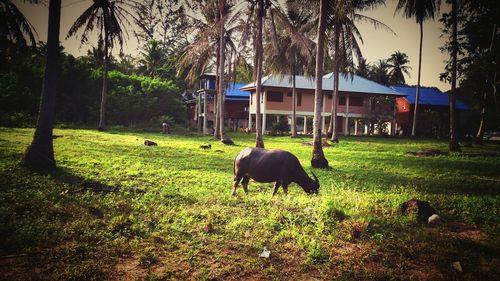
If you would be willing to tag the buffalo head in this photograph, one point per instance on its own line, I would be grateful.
(313, 185)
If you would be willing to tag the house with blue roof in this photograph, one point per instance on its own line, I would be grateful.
(433, 110)
(201, 106)
(358, 106)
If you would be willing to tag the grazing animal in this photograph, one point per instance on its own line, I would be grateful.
(206, 146)
(277, 166)
(423, 209)
(150, 143)
(227, 141)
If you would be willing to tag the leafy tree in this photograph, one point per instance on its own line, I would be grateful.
(164, 21)
(421, 10)
(108, 17)
(477, 68)
(40, 153)
(398, 68)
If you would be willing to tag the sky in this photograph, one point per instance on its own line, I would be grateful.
(378, 44)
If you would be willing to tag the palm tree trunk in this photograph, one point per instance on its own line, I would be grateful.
(482, 126)
(335, 97)
(217, 97)
(259, 142)
(222, 87)
(318, 158)
(294, 103)
(104, 93)
(417, 95)
(40, 153)
(454, 146)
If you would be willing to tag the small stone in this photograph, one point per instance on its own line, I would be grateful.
(434, 219)
(265, 253)
(457, 266)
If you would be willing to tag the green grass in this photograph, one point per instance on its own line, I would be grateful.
(118, 209)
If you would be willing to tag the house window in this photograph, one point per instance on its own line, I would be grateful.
(289, 94)
(342, 100)
(356, 101)
(275, 96)
(299, 99)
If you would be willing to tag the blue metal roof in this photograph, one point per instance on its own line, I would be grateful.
(428, 96)
(234, 92)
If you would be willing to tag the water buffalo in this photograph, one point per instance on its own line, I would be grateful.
(278, 166)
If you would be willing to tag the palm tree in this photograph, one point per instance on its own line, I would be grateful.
(454, 146)
(40, 153)
(153, 58)
(421, 10)
(379, 72)
(15, 26)
(107, 16)
(198, 56)
(398, 67)
(363, 68)
(292, 50)
(342, 17)
(318, 157)
(256, 15)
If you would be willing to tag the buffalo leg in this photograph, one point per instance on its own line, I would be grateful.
(276, 186)
(285, 188)
(244, 183)
(236, 183)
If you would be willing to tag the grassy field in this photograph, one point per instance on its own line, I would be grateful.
(117, 209)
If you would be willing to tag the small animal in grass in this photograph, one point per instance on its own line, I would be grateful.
(150, 143)
(206, 146)
(277, 166)
(425, 212)
(227, 141)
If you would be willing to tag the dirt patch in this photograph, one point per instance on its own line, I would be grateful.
(428, 152)
(324, 143)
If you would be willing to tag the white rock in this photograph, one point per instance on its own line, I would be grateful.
(457, 266)
(265, 253)
(434, 219)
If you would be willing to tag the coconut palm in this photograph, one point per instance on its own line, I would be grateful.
(257, 11)
(199, 55)
(318, 157)
(379, 72)
(343, 14)
(398, 68)
(293, 50)
(108, 17)
(363, 68)
(15, 27)
(153, 58)
(40, 153)
(453, 146)
(421, 10)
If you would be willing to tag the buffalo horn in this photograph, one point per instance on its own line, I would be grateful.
(315, 177)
